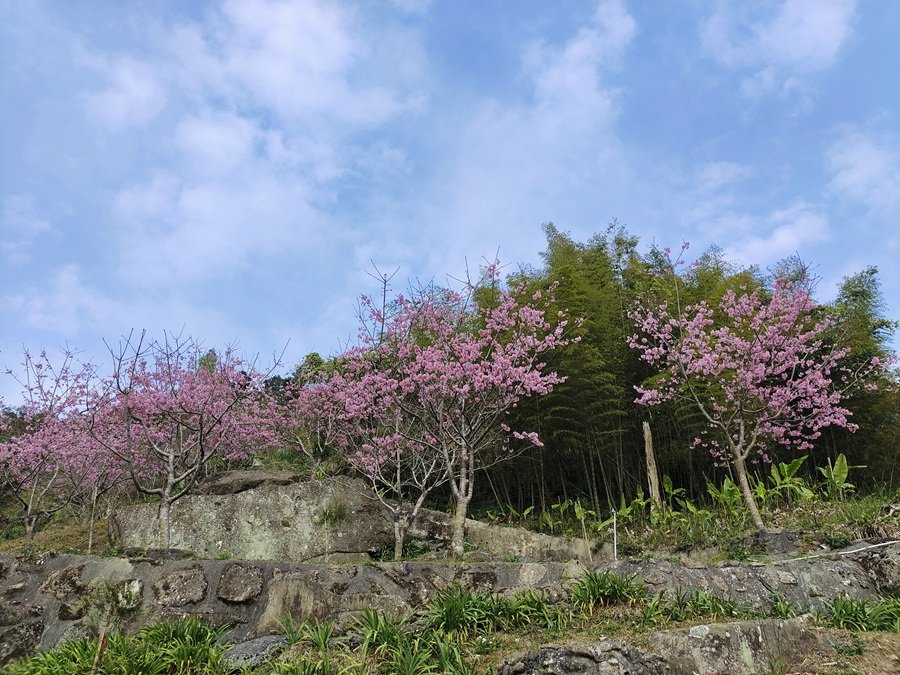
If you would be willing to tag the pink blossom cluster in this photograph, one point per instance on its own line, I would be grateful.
(159, 419)
(425, 398)
(761, 374)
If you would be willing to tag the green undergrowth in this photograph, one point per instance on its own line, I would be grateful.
(185, 646)
(826, 513)
(459, 632)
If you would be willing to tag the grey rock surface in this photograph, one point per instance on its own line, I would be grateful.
(284, 521)
(39, 595)
(607, 657)
(738, 647)
(235, 482)
(240, 583)
(181, 587)
(273, 515)
(253, 653)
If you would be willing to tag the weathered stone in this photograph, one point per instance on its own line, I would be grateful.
(295, 522)
(71, 611)
(339, 591)
(240, 583)
(498, 540)
(12, 613)
(253, 653)
(806, 584)
(235, 482)
(707, 649)
(20, 640)
(609, 657)
(64, 583)
(778, 543)
(738, 647)
(265, 515)
(181, 587)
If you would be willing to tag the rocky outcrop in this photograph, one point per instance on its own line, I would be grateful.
(808, 583)
(739, 647)
(272, 515)
(235, 482)
(274, 520)
(707, 649)
(607, 657)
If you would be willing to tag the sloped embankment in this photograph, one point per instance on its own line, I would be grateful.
(45, 599)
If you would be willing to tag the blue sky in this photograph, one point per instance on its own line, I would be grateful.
(234, 168)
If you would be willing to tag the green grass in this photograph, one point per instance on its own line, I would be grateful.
(186, 646)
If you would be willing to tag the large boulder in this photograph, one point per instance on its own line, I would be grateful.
(607, 657)
(274, 517)
(739, 647)
(707, 649)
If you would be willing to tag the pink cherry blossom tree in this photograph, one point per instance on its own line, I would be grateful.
(311, 421)
(173, 408)
(379, 439)
(429, 390)
(51, 462)
(757, 367)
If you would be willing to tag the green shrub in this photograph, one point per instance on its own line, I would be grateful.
(597, 589)
(463, 614)
(865, 615)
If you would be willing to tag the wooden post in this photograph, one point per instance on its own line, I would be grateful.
(652, 474)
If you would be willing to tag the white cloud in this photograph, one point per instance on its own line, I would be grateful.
(569, 75)
(215, 144)
(780, 47)
(522, 163)
(778, 235)
(66, 307)
(298, 59)
(714, 176)
(134, 96)
(20, 226)
(866, 170)
(707, 196)
(175, 232)
(267, 102)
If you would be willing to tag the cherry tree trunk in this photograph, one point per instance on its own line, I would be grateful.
(459, 525)
(741, 469)
(401, 525)
(165, 529)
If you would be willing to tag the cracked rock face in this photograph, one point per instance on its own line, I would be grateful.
(181, 587)
(240, 583)
(607, 657)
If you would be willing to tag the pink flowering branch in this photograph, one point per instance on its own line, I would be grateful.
(427, 394)
(171, 410)
(761, 376)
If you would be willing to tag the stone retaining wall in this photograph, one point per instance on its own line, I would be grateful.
(42, 598)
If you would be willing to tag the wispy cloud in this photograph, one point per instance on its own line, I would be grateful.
(783, 232)
(265, 102)
(522, 162)
(134, 95)
(64, 307)
(21, 224)
(778, 49)
(865, 169)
